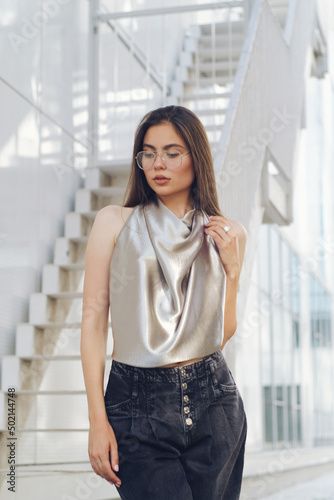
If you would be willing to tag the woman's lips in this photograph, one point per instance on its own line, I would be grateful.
(161, 180)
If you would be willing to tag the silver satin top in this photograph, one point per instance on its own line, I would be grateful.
(167, 288)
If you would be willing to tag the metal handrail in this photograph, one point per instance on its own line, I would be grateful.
(136, 51)
(177, 9)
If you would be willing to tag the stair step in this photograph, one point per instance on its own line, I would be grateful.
(70, 250)
(65, 295)
(65, 429)
(214, 128)
(279, 3)
(56, 325)
(115, 166)
(206, 96)
(205, 82)
(206, 56)
(90, 214)
(211, 112)
(107, 191)
(229, 39)
(80, 266)
(47, 307)
(220, 53)
(97, 180)
(224, 27)
(37, 392)
(220, 67)
(77, 229)
(56, 279)
(97, 198)
(51, 357)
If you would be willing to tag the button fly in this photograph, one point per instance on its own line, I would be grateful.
(184, 385)
(186, 399)
(186, 410)
(189, 421)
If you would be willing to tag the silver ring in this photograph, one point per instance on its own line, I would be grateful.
(226, 228)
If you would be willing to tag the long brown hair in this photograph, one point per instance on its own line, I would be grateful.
(191, 129)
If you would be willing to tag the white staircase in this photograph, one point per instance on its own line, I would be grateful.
(205, 75)
(216, 78)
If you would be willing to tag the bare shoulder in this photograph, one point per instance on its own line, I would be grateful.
(113, 217)
(240, 229)
(242, 238)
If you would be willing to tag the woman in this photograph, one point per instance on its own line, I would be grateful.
(171, 424)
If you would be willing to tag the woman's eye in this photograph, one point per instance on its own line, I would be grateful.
(148, 155)
(172, 155)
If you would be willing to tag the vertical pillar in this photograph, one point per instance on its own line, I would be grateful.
(93, 83)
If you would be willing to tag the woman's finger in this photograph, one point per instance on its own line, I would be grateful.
(217, 230)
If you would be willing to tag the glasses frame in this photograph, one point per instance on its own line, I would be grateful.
(162, 158)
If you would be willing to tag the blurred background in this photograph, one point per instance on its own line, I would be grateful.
(76, 77)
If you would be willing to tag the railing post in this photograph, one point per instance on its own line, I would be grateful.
(247, 10)
(93, 83)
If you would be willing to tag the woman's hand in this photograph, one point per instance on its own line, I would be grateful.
(227, 242)
(101, 441)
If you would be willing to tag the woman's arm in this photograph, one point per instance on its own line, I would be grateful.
(94, 333)
(231, 246)
(232, 283)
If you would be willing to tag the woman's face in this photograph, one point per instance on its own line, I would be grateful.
(163, 137)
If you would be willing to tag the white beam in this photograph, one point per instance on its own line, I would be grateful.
(177, 9)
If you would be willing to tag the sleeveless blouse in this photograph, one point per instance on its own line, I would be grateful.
(167, 288)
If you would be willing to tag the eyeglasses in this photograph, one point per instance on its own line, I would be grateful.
(171, 159)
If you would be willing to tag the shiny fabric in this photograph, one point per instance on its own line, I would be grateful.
(180, 431)
(167, 288)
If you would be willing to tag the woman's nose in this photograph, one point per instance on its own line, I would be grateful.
(158, 160)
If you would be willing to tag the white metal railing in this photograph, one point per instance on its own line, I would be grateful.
(143, 59)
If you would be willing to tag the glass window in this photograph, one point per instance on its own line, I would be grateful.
(282, 414)
(280, 423)
(294, 281)
(279, 393)
(298, 395)
(286, 276)
(299, 425)
(320, 316)
(263, 258)
(295, 332)
(275, 261)
(268, 415)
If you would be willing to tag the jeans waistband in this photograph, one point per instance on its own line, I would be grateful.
(197, 369)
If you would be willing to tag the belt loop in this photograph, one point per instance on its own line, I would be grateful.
(135, 383)
(213, 373)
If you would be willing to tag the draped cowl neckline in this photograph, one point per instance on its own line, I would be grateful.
(167, 288)
(176, 241)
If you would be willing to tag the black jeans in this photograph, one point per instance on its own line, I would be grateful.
(180, 431)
